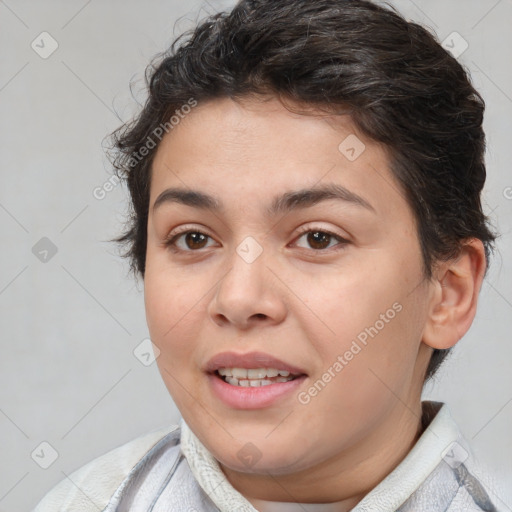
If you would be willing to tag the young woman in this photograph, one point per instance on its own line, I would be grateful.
(305, 180)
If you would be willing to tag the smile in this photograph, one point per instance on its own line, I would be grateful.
(254, 377)
(245, 393)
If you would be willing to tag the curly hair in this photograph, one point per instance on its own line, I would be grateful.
(399, 85)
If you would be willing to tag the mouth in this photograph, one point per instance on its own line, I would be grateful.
(253, 380)
(252, 369)
(254, 393)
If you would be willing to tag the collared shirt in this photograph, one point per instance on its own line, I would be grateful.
(171, 470)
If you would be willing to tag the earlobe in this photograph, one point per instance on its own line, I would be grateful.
(454, 297)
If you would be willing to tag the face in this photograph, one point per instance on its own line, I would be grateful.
(328, 284)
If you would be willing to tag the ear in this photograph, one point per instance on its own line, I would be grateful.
(454, 297)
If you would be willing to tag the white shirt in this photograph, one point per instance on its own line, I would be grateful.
(171, 470)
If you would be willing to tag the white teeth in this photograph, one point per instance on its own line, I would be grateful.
(252, 373)
(254, 383)
(259, 373)
(254, 377)
(239, 373)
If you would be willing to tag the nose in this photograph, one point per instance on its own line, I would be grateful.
(248, 294)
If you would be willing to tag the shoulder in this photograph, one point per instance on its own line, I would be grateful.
(450, 476)
(90, 487)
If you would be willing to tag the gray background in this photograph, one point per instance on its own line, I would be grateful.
(70, 325)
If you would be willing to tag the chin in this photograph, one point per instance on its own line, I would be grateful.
(277, 464)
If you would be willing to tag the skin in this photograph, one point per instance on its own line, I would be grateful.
(297, 301)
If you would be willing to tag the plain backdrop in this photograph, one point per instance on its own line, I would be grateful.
(71, 385)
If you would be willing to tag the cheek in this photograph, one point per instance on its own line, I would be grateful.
(172, 309)
(171, 315)
(352, 302)
(170, 298)
(375, 317)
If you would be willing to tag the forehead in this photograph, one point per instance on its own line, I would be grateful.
(243, 153)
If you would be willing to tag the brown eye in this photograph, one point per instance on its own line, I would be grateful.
(193, 240)
(318, 239)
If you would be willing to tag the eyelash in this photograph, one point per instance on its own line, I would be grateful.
(170, 240)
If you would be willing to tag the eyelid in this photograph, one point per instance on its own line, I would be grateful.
(342, 240)
(185, 229)
(312, 228)
(182, 230)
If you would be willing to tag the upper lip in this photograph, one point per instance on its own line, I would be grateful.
(249, 360)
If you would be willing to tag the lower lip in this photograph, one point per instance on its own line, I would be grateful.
(239, 397)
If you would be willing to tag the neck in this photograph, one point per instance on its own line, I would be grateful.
(347, 477)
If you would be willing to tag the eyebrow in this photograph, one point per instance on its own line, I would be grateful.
(288, 201)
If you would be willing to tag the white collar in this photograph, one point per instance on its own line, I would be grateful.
(388, 495)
